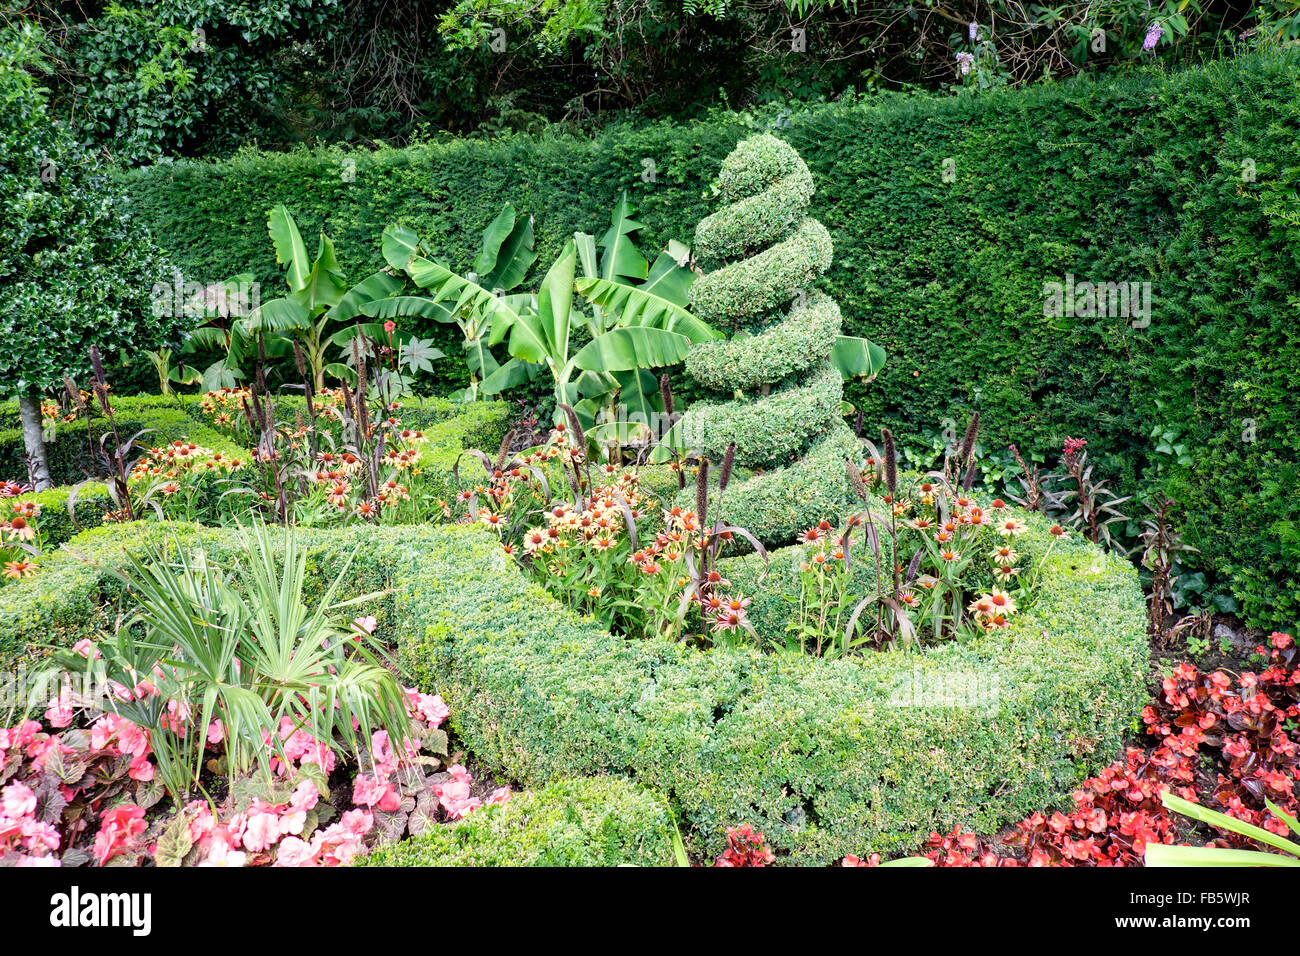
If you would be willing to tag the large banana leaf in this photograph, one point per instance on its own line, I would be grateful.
(638, 346)
(400, 245)
(400, 306)
(324, 286)
(507, 251)
(290, 251)
(543, 336)
(856, 357)
(636, 306)
(278, 315)
(512, 373)
(620, 259)
(373, 288)
(470, 297)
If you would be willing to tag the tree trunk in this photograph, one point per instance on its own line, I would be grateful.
(29, 409)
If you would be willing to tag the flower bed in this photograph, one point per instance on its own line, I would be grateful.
(827, 758)
(448, 429)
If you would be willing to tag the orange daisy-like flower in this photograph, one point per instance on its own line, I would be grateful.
(1058, 532)
(1002, 602)
(20, 529)
(19, 569)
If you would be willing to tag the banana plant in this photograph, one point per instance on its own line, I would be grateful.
(476, 303)
(222, 306)
(319, 297)
(631, 330)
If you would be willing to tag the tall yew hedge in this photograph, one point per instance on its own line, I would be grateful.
(948, 216)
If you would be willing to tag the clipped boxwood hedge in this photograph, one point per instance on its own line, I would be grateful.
(600, 821)
(827, 758)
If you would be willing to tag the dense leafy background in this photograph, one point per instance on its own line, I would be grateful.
(1133, 180)
(139, 79)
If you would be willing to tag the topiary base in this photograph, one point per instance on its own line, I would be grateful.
(779, 505)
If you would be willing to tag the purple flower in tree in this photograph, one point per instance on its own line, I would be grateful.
(974, 27)
(964, 61)
(1154, 33)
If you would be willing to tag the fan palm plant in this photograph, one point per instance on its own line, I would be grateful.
(249, 648)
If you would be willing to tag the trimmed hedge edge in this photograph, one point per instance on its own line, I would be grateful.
(601, 821)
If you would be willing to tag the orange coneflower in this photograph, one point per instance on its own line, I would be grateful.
(1002, 602)
(19, 569)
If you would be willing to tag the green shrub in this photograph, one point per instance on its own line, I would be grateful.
(601, 821)
(826, 757)
(1136, 178)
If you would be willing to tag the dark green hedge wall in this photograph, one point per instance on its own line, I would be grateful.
(1135, 180)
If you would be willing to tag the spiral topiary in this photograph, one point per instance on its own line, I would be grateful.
(777, 393)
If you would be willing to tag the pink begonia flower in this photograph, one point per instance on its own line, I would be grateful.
(357, 822)
(500, 796)
(366, 624)
(38, 748)
(292, 821)
(141, 769)
(428, 707)
(216, 731)
(381, 749)
(17, 801)
(60, 713)
(305, 796)
(371, 791)
(261, 831)
(40, 837)
(341, 842)
(201, 822)
(86, 649)
(454, 794)
(294, 852)
(177, 716)
(221, 853)
(113, 732)
(118, 827)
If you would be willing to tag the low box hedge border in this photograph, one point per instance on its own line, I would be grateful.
(826, 757)
(597, 821)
